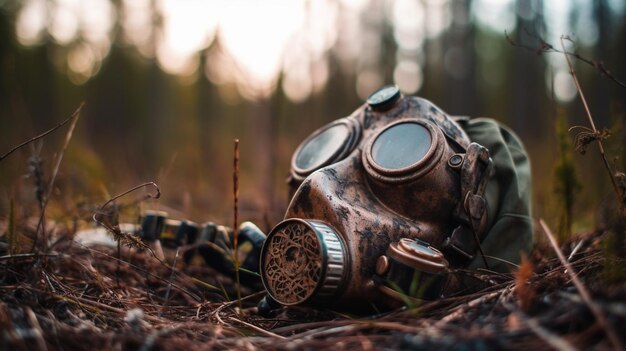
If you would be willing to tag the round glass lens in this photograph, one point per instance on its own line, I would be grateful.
(321, 148)
(401, 145)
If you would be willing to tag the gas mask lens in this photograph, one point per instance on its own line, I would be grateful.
(401, 146)
(321, 147)
(325, 146)
(403, 151)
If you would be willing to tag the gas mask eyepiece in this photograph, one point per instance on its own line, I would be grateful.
(400, 146)
(325, 146)
(403, 151)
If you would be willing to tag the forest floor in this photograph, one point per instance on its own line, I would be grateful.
(75, 297)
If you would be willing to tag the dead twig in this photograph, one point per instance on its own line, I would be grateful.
(186, 292)
(217, 311)
(582, 290)
(235, 220)
(545, 47)
(149, 196)
(593, 125)
(169, 286)
(26, 255)
(129, 239)
(95, 306)
(587, 136)
(309, 326)
(575, 250)
(355, 325)
(68, 136)
(75, 116)
(5, 155)
(257, 329)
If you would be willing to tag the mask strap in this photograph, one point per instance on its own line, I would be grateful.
(211, 242)
(465, 239)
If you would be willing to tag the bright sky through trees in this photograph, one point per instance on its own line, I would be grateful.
(259, 40)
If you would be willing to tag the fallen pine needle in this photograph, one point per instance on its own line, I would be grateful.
(255, 328)
(582, 290)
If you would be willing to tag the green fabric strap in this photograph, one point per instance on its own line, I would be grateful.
(507, 195)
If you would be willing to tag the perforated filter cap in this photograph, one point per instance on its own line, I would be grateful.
(301, 261)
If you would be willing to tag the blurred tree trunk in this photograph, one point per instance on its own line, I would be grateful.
(209, 108)
(262, 142)
(434, 72)
(601, 98)
(387, 62)
(528, 84)
(460, 62)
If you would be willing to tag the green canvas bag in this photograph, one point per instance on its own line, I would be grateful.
(508, 195)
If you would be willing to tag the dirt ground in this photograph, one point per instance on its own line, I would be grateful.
(74, 297)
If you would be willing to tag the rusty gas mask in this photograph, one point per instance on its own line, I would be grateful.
(384, 202)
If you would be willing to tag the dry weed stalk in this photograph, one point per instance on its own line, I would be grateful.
(587, 136)
(110, 223)
(593, 134)
(169, 286)
(545, 47)
(12, 234)
(582, 290)
(35, 171)
(6, 154)
(151, 275)
(132, 241)
(236, 220)
(68, 136)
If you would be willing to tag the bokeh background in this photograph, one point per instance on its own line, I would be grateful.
(168, 85)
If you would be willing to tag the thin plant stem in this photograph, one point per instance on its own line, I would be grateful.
(42, 134)
(118, 270)
(155, 196)
(169, 286)
(591, 122)
(545, 47)
(114, 229)
(582, 290)
(235, 220)
(75, 116)
(147, 273)
(258, 329)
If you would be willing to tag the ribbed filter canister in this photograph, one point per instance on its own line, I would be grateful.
(302, 260)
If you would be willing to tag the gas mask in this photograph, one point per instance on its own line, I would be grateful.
(384, 203)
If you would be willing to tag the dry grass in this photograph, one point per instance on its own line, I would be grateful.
(69, 299)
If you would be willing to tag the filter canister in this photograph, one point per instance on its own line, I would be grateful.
(303, 261)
